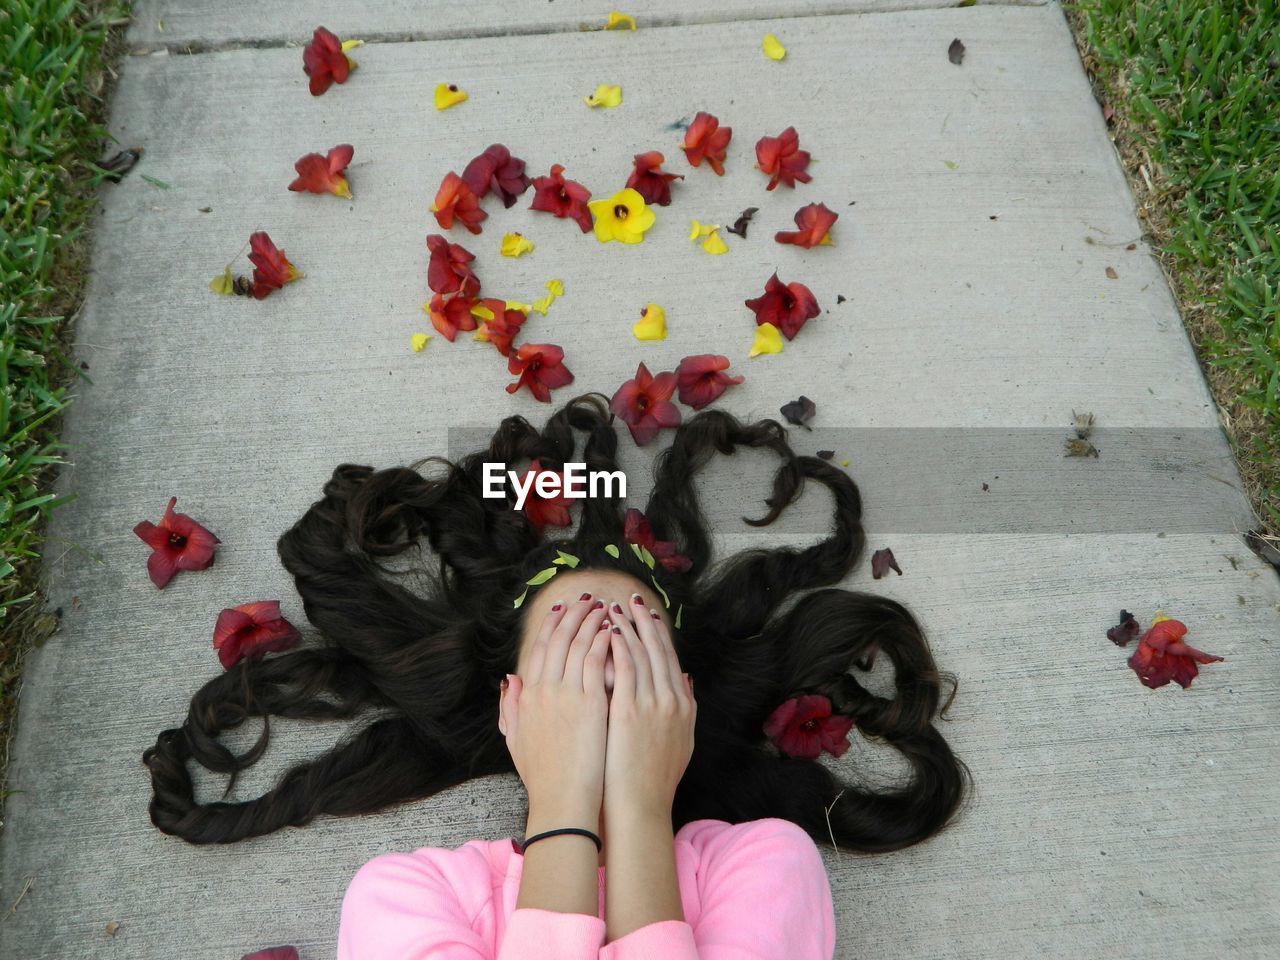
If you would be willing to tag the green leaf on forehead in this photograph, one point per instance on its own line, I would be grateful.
(666, 601)
(647, 557)
(678, 612)
(635, 548)
(520, 599)
(542, 576)
(568, 559)
(611, 550)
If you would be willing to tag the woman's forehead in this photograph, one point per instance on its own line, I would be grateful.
(603, 584)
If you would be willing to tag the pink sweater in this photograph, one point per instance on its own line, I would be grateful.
(750, 891)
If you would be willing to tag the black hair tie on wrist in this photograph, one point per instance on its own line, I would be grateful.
(551, 833)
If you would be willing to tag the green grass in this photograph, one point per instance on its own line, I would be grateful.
(53, 76)
(1196, 88)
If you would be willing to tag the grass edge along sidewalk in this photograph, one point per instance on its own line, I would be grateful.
(56, 59)
(1187, 89)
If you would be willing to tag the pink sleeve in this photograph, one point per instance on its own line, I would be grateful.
(399, 906)
(405, 907)
(765, 897)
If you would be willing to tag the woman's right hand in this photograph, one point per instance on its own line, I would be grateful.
(555, 718)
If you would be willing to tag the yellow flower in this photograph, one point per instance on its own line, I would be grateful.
(542, 303)
(605, 96)
(448, 94)
(420, 341)
(772, 48)
(517, 305)
(515, 244)
(713, 244)
(623, 217)
(616, 18)
(556, 287)
(223, 283)
(768, 340)
(652, 325)
(702, 229)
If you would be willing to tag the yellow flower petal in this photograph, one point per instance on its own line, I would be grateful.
(541, 304)
(515, 244)
(341, 188)
(702, 229)
(517, 305)
(1158, 618)
(652, 324)
(481, 311)
(448, 94)
(605, 96)
(420, 341)
(223, 283)
(772, 48)
(826, 240)
(713, 244)
(768, 340)
(616, 19)
(844, 463)
(351, 44)
(481, 334)
(556, 287)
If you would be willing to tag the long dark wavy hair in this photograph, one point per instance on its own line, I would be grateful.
(436, 657)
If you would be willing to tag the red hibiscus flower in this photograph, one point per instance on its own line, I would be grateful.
(504, 326)
(701, 379)
(545, 511)
(706, 138)
(455, 199)
(644, 404)
(564, 198)
(782, 158)
(251, 630)
(273, 953)
(814, 221)
(1163, 656)
(804, 726)
(317, 174)
(650, 182)
(177, 543)
(496, 169)
(787, 306)
(449, 315)
(541, 368)
(324, 62)
(448, 271)
(636, 530)
(271, 268)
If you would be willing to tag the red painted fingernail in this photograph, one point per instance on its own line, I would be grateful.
(555, 606)
(617, 629)
(604, 625)
(617, 608)
(585, 596)
(597, 605)
(636, 598)
(654, 615)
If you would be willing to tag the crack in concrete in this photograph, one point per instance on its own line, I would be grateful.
(517, 30)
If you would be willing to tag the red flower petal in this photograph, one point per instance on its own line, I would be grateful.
(323, 174)
(454, 199)
(449, 315)
(564, 198)
(541, 368)
(706, 139)
(700, 379)
(803, 727)
(324, 62)
(644, 404)
(177, 543)
(271, 268)
(548, 511)
(1162, 655)
(252, 630)
(882, 562)
(650, 182)
(782, 158)
(498, 170)
(636, 529)
(447, 271)
(787, 306)
(814, 221)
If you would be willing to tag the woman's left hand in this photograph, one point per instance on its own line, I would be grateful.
(651, 715)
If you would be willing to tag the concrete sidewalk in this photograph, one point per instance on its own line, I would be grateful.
(980, 206)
